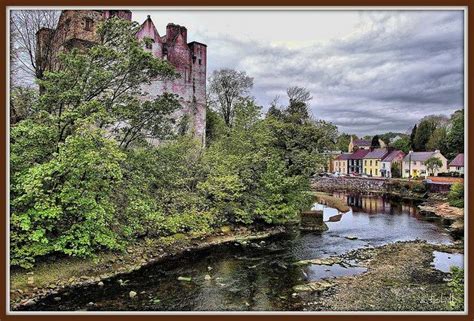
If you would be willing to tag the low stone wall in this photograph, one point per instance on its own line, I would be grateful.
(353, 184)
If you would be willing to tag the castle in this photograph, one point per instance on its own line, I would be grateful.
(77, 29)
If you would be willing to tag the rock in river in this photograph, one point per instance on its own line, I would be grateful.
(313, 286)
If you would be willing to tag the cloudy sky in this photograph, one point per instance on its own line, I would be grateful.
(368, 71)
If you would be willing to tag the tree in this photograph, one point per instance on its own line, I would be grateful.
(456, 195)
(455, 134)
(101, 85)
(343, 141)
(423, 134)
(64, 205)
(438, 140)
(433, 164)
(396, 170)
(425, 130)
(215, 126)
(227, 86)
(22, 103)
(24, 26)
(412, 137)
(298, 95)
(402, 144)
(375, 142)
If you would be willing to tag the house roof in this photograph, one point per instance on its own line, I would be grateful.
(362, 142)
(377, 153)
(458, 160)
(344, 156)
(359, 154)
(393, 155)
(418, 156)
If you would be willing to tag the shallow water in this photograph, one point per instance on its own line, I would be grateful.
(259, 276)
(444, 261)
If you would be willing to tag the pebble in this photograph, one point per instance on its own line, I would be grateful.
(57, 298)
(100, 283)
(207, 277)
(132, 294)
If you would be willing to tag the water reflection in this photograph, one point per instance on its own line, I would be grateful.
(259, 276)
(376, 204)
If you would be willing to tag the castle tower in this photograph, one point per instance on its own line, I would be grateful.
(78, 29)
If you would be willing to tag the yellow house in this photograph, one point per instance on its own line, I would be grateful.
(340, 164)
(372, 162)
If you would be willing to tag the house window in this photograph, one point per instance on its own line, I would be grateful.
(370, 164)
(88, 24)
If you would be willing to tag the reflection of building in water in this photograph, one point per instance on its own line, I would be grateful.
(410, 208)
(376, 204)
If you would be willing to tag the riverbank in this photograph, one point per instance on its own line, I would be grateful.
(399, 277)
(49, 277)
(451, 216)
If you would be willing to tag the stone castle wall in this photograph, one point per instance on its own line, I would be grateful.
(77, 29)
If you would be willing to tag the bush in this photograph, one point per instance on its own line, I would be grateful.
(456, 286)
(456, 195)
(418, 187)
(65, 205)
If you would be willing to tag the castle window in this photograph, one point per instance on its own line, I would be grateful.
(88, 24)
(194, 59)
(199, 60)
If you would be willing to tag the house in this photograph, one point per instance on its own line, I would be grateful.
(394, 157)
(331, 156)
(394, 139)
(356, 144)
(372, 161)
(413, 164)
(355, 161)
(340, 163)
(457, 164)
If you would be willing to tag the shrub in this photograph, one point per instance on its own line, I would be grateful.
(456, 286)
(456, 195)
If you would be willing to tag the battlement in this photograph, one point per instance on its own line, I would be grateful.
(78, 29)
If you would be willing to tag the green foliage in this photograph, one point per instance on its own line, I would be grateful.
(456, 285)
(456, 195)
(396, 170)
(423, 133)
(64, 205)
(342, 142)
(402, 144)
(433, 164)
(455, 134)
(22, 103)
(418, 187)
(84, 177)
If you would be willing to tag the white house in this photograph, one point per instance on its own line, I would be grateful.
(413, 164)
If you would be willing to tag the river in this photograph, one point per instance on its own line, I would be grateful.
(259, 275)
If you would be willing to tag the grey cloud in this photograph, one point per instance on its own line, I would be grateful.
(396, 68)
